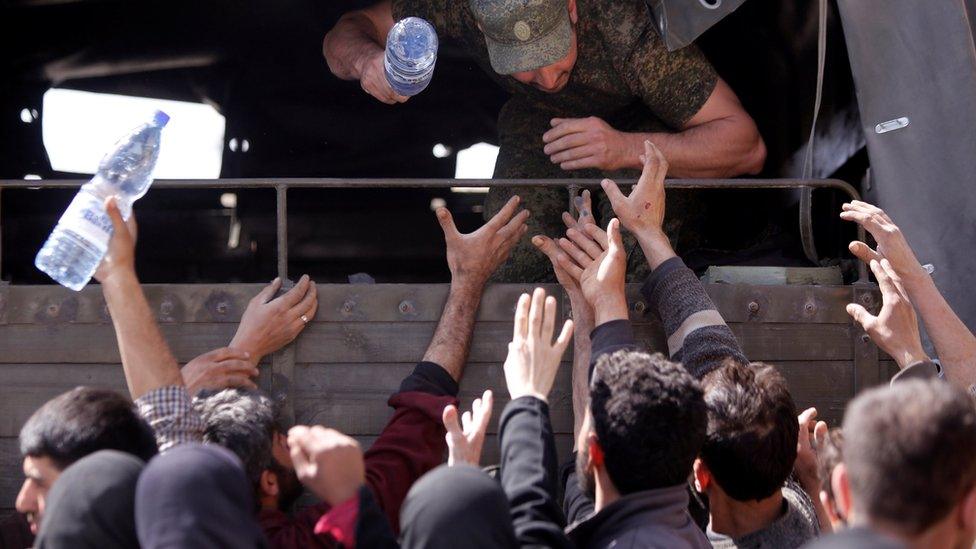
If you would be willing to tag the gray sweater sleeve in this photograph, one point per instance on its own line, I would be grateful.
(697, 334)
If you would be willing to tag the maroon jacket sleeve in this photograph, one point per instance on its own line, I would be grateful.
(411, 444)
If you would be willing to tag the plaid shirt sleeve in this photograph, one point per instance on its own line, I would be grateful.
(170, 413)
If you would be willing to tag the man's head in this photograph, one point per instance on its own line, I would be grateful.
(750, 447)
(69, 427)
(909, 466)
(246, 423)
(534, 41)
(644, 426)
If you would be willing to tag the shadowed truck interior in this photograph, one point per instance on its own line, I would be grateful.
(259, 64)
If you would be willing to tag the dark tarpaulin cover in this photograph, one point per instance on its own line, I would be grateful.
(915, 59)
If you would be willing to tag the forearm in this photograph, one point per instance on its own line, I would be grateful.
(583, 325)
(350, 44)
(954, 342)
(146, 359)
(725, 147)
(697, 334)
(656, 247)
(452, 339)
(528, 473)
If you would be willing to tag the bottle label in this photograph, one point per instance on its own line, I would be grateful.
(87, 218)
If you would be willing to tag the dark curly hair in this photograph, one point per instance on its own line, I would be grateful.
(83, 421)
(649, 417)
(752, 430)
(244, 422)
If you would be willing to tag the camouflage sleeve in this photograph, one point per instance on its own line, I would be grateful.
(674, 85)
(443, 14)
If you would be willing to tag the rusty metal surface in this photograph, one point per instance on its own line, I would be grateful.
(364, 339)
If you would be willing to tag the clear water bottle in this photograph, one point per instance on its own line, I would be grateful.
(80, 240)
(411, 53)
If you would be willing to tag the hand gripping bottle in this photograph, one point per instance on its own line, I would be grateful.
(411, 53)
(80, 240)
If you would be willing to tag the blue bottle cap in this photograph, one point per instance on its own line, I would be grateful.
(160, 118)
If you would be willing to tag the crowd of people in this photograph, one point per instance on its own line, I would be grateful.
(692, 447)
(689, 446)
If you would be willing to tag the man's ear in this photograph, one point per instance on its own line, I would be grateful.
(595, 452)
(841, 486)
(269, 484)
(573, 15)
(703, 477)
(966, 511)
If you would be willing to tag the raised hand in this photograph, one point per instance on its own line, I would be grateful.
(895, 329)
(892, 244)
(269, 324)
(642, 211)
(582, 312)
(328, 463)
(465, 439)
(219, 369)
(473, 257)
(533, 358)
(807, 466)
(121, 255)
(598, 261)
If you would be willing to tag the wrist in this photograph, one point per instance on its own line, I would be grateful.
(916, 279)
(656, 246)
(527, 392)
(119, 278)
(633, 148)
(907, 357)
(609, 308)
(581, 311)
(467, 285)
(254, 353)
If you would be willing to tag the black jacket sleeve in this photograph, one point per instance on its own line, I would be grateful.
(610, 337)
(528, 473)
(372, 528)
(431, 378)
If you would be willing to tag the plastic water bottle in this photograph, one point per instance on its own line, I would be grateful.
(411, 53)
(80, 240)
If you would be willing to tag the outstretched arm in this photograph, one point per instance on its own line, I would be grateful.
(413, 441)
(151, 371)
(146, 358)
(721, 140)
(472, 258)
(583, 320)
(954, 342)
(529, 473)
(697, 334)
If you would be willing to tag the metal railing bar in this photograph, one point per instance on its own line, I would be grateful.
(258, 183)
(281, 185)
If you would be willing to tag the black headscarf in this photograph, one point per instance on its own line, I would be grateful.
(196, 496)
(91, 504)
(457, 506)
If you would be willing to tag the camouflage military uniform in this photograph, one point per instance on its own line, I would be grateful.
(623, 75)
